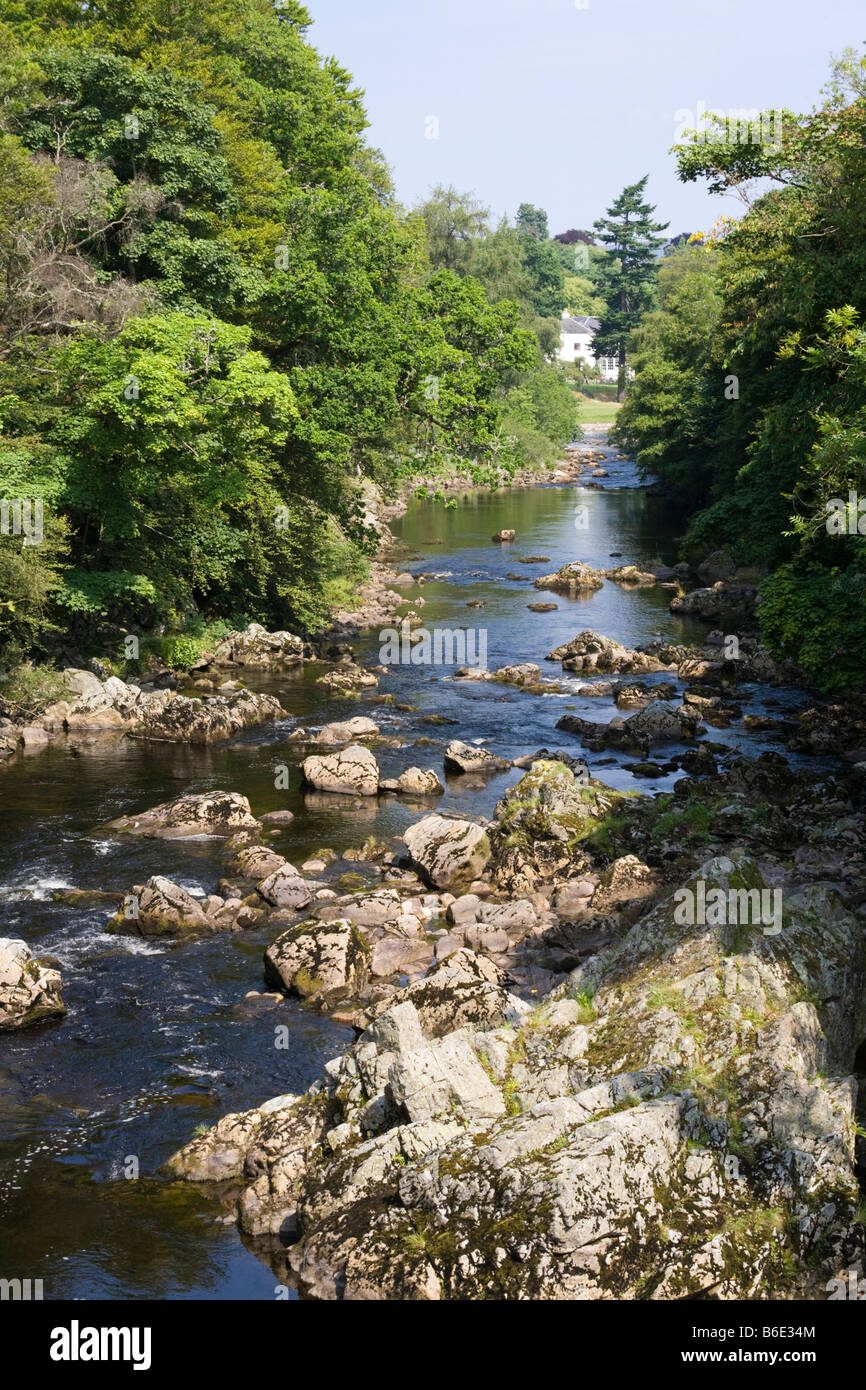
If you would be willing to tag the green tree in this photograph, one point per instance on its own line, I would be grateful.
(631, 239)
(532, 221)
(453, 222)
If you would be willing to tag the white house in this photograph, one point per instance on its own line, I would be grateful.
(575, 343)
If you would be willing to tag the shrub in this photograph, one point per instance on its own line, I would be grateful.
(29, 690)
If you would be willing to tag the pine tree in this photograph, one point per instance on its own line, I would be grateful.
(629, 236)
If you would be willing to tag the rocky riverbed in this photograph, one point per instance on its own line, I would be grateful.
(575, 938)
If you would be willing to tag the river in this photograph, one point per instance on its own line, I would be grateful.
(158, 1039)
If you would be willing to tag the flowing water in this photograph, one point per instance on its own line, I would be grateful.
(158, 1038)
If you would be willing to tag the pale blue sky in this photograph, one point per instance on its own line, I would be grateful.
(544, 102)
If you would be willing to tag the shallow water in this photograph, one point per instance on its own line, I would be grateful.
(157, 1039)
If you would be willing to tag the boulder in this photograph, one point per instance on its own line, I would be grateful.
(278, 818)
(83, 683)
(255, 647)
(348, 730)
(657, 723)
(285, 888)
(254, 861)
(625, 880)
(415, 781)
(319, 959)
(590, 651)
(395, 955)
(219, 1154)
(450, 853)
(525, 673)
(29, 990)
(183, 719)
(431, 1079)
(572, 579)
(354, 770)
(505, 535)
(723, 602)
(189, 817)
(550, 803)
(347, 680)
(160, 908)
(541, 822)
(467, 757)
(631, 575)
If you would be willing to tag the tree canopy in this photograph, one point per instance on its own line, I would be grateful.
(215, 320)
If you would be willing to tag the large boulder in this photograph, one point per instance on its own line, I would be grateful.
(590, 652)
(83, 683)
(524, 673)
(723, 602)
(550, 803)
(219, 1154)
(319, 959)
(467, 757)
(415, 781)
(626, 880)
(29, 990)
(354, 770)
(255, 647)
(431, 1079)
(187, 720)
(541, 822)
(188, 817)
(451, 853)
(348, 730)
(160, 908)
(572, 579)
(285, 888)
(658, 723)
(347, 680)
(253, 861)
(630, 575)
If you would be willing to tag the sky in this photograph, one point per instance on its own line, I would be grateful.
(561, 103)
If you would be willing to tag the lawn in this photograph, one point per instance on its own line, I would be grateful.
(598, 412)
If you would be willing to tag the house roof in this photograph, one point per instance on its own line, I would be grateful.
(580, 325)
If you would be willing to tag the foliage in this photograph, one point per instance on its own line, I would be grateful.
(215, 321)
(748, 403)
(630, 237)
(29, 690)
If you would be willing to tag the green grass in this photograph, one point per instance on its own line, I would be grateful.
(597, 412)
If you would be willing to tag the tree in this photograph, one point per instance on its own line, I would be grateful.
(544, 275)
(213, 312)
(629, 235)
(748, 401)
(573, 236)
(454, 221)
(532, 221)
